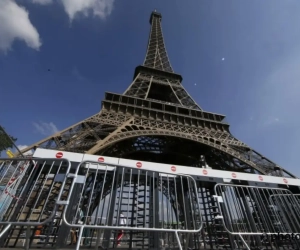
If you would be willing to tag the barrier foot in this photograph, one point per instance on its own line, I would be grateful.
(98, 239)
(79, 238)
(5, 230)
(246, 245)
(27, 240)
(178, 240)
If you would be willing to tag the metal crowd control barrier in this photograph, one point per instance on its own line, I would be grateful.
(140, 200)
(288, 205)
(30, 188)
(257, 211)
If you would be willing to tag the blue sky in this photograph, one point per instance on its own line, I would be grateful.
(93, 46)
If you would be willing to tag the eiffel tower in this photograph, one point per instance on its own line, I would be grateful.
(156, 120)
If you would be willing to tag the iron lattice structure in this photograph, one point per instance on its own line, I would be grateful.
(155, 119)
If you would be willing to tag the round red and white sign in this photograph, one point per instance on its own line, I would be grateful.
(285, 181)
(101, 159)
(173, 168)
(139, 164)
(204, 171)
(233, 175)
(59, 155)
(260, 178)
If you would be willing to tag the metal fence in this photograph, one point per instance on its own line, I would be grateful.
(30, 190)
(288, 206)
(100, 202)
(119, 198)
(263, 212)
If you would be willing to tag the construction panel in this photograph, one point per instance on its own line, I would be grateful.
(46, 153)
(101, 159)
(227, 176)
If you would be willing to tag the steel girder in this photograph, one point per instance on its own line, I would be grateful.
(144, 84)
(108, 128)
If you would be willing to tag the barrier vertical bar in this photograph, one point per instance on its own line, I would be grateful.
(27, 240)
(154, 200)
(111, 211)
(71, 210)
(134, 197)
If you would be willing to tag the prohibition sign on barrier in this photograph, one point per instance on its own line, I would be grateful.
(101, 159)
(59, 155)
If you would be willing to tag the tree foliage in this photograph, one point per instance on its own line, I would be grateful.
(6, 141)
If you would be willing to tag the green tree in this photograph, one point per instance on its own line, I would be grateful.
(6, 141)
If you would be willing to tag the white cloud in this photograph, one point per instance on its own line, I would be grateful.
(15, 24)
(99, 8)
(42, 2)
(29, 152)
(45, 128)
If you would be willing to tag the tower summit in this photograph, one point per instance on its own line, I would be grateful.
(156, 120)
